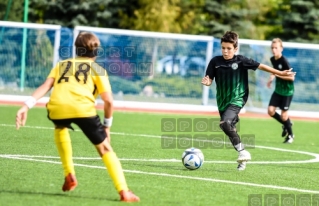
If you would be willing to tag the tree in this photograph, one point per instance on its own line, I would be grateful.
(15, 12)
(299, 22)
(174, 16)
(245, 17)
(154, 16)
(71, 13)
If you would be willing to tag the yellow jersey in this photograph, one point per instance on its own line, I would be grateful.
(77, 82)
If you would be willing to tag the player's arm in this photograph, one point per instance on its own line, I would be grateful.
(40, 91)
(208, 79)
(288, 78)
(44, 88)
(270, 80)
(21, 116)
(286, 66)
(108, 104)
(275, 71)
(103, 85)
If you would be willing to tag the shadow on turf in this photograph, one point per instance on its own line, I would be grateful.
(68, 195)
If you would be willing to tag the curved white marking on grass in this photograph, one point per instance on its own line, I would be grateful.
(178, 176)
(316, 156)
(165, 160)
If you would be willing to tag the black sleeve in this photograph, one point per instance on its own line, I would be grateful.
(249, 63)
(285, 64)
(210, 71)
(272, 61)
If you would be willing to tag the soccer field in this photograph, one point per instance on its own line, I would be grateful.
(31, 173)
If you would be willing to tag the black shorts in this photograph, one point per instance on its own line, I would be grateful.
(91, 127)
(283, 102)
(230, 115)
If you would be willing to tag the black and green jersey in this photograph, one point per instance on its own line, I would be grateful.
(231, 77)
(283, 87)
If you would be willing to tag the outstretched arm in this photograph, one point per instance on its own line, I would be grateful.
(288, 78)
(21, 116)
(275, 71)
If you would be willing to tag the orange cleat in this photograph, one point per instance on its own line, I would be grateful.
(128, 196)
(70, 183)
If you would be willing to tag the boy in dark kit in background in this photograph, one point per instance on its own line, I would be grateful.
(284, 91)
(230, 72)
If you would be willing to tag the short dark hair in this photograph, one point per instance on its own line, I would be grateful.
(230, 37)
(86, 44)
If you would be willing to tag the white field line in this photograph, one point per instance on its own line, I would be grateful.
(163, 160)
(181, 176)
(316, 156)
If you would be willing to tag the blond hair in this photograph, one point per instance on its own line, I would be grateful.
(277, 40)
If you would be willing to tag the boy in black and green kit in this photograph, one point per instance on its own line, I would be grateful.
(230, 73)
(284, 91)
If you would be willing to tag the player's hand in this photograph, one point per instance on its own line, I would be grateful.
(207, 81)
(288, 72)
(21, 116)
(108, 133)
(269, 83)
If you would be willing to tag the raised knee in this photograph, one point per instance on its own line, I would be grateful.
(271, 112)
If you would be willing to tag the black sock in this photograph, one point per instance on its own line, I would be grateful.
(288, 127)
(277, 117)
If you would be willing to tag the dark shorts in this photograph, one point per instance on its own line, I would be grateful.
(283, 102)
(91, 127)
(230, 115)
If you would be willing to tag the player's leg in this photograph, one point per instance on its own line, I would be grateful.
(234, 122)
(229, 118)
(272, 112)
(63, 143)
(276, 101)
(95, 131)
(286, 100)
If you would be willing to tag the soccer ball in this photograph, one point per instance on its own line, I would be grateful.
(192, 158)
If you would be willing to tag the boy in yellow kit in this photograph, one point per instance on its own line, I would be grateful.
(77, 81)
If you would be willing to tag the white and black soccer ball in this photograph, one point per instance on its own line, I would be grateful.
(192, 158)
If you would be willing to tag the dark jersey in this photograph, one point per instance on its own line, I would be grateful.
(231, 77)
(283, 87)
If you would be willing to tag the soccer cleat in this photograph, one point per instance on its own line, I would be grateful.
(243, 156)
(70, 183)
(128, 196)
(289, 139)
(241, 166)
